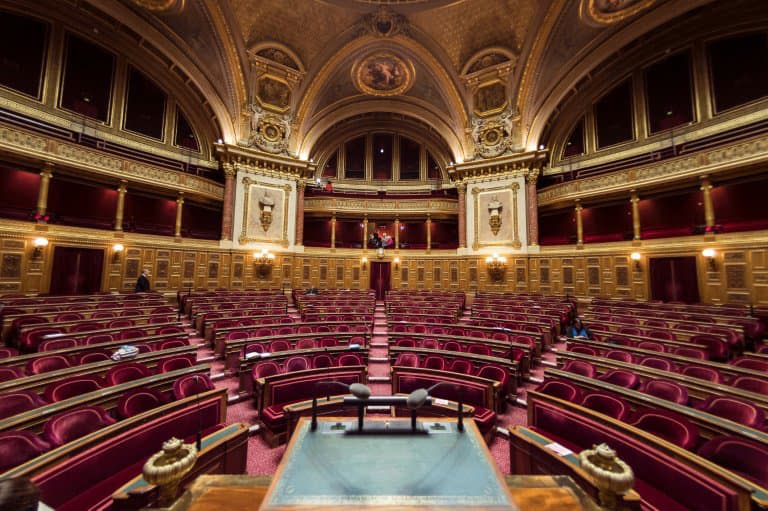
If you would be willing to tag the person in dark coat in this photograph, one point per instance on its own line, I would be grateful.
(142, 283)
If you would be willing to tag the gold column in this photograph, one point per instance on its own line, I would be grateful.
(429, 232)
(462, 189)
(579, 227)
(121, 191)
(709, 210)
(179, 210)
(300, 186)
(397, 233)
(634, 199)
(333, 231)
(42, 194)
(365, 232)
(532, 207)
(228, 208)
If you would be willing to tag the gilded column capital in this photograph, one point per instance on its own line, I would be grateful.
(180, 198)
(229, 169)
(123, 186)
(47, 170)
(532, 176)
(461, 187)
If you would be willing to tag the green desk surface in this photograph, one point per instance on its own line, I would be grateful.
(442, 469)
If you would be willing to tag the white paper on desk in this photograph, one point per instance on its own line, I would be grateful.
(558, 449)
(438, 401)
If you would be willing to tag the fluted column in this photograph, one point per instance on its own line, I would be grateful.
(709, 210)
(228, 210)
(42, 194)
(579, 227)
(365, 232)
(397, 233)
(300, 212)
(179, 211)
(119, 211)
(429, 232)
(462, 189)
(333, 231)
(635, 199)
(533, 207)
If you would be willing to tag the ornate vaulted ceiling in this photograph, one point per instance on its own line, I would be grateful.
(477, 71)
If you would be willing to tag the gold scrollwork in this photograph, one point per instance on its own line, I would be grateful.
(285, 190)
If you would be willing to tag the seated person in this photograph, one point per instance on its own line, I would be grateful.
(578, 330)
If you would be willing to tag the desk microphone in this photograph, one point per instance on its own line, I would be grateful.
(358, 390)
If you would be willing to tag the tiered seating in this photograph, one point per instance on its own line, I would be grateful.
(187, 300)
(424, 306)
(334, 305)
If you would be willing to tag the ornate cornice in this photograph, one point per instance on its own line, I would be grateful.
(720, 159)
(65, 154)
(383, 206)
(493, 168)
(264, 164)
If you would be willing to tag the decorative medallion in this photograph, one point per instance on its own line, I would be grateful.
(383, 74)
(385, 23)
(495, 135)
(266, 203)
(269, 131)
(607, 12)
(494, 215)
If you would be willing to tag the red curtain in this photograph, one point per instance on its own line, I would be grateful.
(76, 271)
(674, 279)
(380, 277)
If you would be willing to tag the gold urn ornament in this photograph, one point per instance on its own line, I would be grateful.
(494, 215)
(612, 476)
(168, 467)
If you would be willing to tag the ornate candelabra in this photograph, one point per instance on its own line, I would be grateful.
(497, 266)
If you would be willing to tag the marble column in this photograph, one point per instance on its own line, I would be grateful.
(333, 231)
(179, 211)
(635, 199)
(429, 232)
(300, 186)
(579, 227)
(709, 210)
(533, 207)
(228, 210)
(119, 212)
(42, 194)
(462, 189)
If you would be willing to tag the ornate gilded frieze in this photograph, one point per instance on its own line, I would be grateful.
(502, 167)
(376, 206)
(709, 162)
(259, 162)
(17, 141)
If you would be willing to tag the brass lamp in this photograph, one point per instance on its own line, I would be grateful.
(497, 266)
(264, 260)
(709, 255)
(612, 476)
(635, 256)
(117, 249)
(168, 467)
(39, 244)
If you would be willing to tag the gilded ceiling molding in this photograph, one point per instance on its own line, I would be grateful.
(91, 161)
(497, 168)
(164, 6)
(262, 163)
(370, 43)
(717, 160)
(223, 29)
(604, 12)
(381, 206)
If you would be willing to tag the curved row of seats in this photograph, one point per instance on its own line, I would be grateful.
(440, 362)
(304, 362)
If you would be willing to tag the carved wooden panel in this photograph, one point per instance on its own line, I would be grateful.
(568, 275)
(323, 274)
(162, 269)
(544, 274)
(593, 275)
(132, 269)
(356, 273)
(11, 266)
(735, 276)
(622, 276)
(189, 269)
(237, 271)
(213, 270)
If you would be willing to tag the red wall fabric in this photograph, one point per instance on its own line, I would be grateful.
(740, 206)
(149, 215)
(380, 278)
(317, 232)
(80, 204)
(445, 234)
(349, 234)
(679, 214)
(674, 279)
(200, 222)
(557, 228)
(413, 235)
(607, 223)
(18, 193)
(76, 270)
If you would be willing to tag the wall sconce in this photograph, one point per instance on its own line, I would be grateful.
(496, 265)
(263, 261)
(380, 253)
(39, 244)
(396, 260)
(709, 255)
(635, 256)
(363, 261)
(117, 249)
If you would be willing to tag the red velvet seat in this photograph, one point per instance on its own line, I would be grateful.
(103, 315)
(525, 339)
(236, 335)
(479, 349)
(744, 457)
(71, 387)
(752, 384)
(174, 363)
(434, 362)
(56, 344)
(586, 350)
(297, 363)
(669, 426)
(191, 384)
(735, 410)
(702, 373)
(171, 343)
(134, 333)
(17, 447)
(580, 367)
(562, 390)
(621, 356)
(125, 372)
(651, 346)
(621, 378)
(405, 343)
(171, 330)
(120, 323)
(716, 347)
(19, 401)
(98, 339)
(139, 401)
(460, 365)
(667, 390)
(263, 332)
(661, 334)
(685, 351)
(430, 344)
(607, 404)
(495, 373)
(407, 360)
(662, 364)
(751, 363)
(322, 360)
(451, 346)
(68, 316)
(279, 345)
(143, 347)
(264, 369)
(164, 309)
(629, 330)
(6, 352)
(46, 364)
(10, 373)
(87, 327)
(73, 424)
(31, 339)
(328, 342)
(305, 344)
(349, 359)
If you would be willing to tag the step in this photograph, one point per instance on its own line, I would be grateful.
(521, 402)
(379, 345)
(379, 379)
(378, 359)
(236, 398)
(548, 363)
(203, 360)
(535, 379)
(217, 376)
